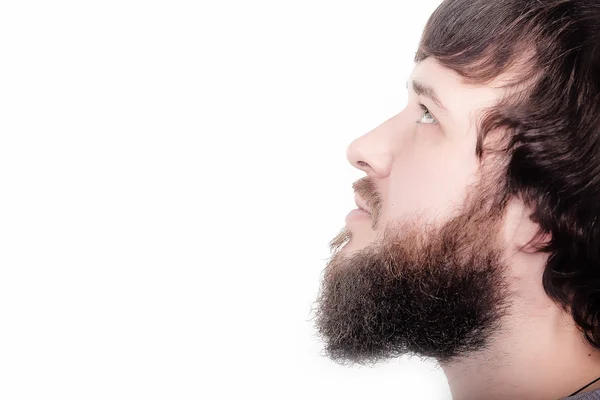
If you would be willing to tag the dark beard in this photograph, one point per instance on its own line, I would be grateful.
(439, 293)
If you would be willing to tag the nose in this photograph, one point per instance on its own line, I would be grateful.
(372, 153)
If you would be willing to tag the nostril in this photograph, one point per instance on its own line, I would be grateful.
(362, 163)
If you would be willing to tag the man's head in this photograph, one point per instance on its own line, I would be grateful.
(498, 147)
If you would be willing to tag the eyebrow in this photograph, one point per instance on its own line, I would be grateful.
(422, 89)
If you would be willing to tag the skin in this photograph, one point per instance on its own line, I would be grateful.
(444, 243)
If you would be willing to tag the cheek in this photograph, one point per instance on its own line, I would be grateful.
(434, 183)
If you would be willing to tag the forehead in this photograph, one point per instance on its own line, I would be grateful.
(462, 100)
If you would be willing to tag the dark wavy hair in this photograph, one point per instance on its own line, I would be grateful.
(550, 120)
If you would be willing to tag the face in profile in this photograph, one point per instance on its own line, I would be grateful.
(421, 270)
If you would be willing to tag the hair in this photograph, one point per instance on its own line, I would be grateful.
(551, 122)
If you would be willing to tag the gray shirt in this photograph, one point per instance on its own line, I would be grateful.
(595, 395)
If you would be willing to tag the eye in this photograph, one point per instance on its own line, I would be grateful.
(427, 118)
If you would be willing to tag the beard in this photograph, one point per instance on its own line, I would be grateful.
(436, 291)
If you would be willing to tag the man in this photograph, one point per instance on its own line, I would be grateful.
(477, 240)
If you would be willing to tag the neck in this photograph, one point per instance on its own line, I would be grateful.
(538, 354)
(530, 366)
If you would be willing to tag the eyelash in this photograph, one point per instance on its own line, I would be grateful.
(425, 109)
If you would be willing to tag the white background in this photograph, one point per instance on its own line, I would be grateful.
(170, 175)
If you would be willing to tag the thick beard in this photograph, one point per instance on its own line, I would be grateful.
(436, 292)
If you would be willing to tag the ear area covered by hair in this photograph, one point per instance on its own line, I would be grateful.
(522, 231)
(539, 240)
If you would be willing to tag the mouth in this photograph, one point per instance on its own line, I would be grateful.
(362, 213)
(357, 215)
(361, 204)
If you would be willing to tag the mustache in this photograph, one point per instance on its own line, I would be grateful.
(367, 189)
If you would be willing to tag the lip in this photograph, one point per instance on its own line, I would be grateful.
(357, 215)
(361, 204)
